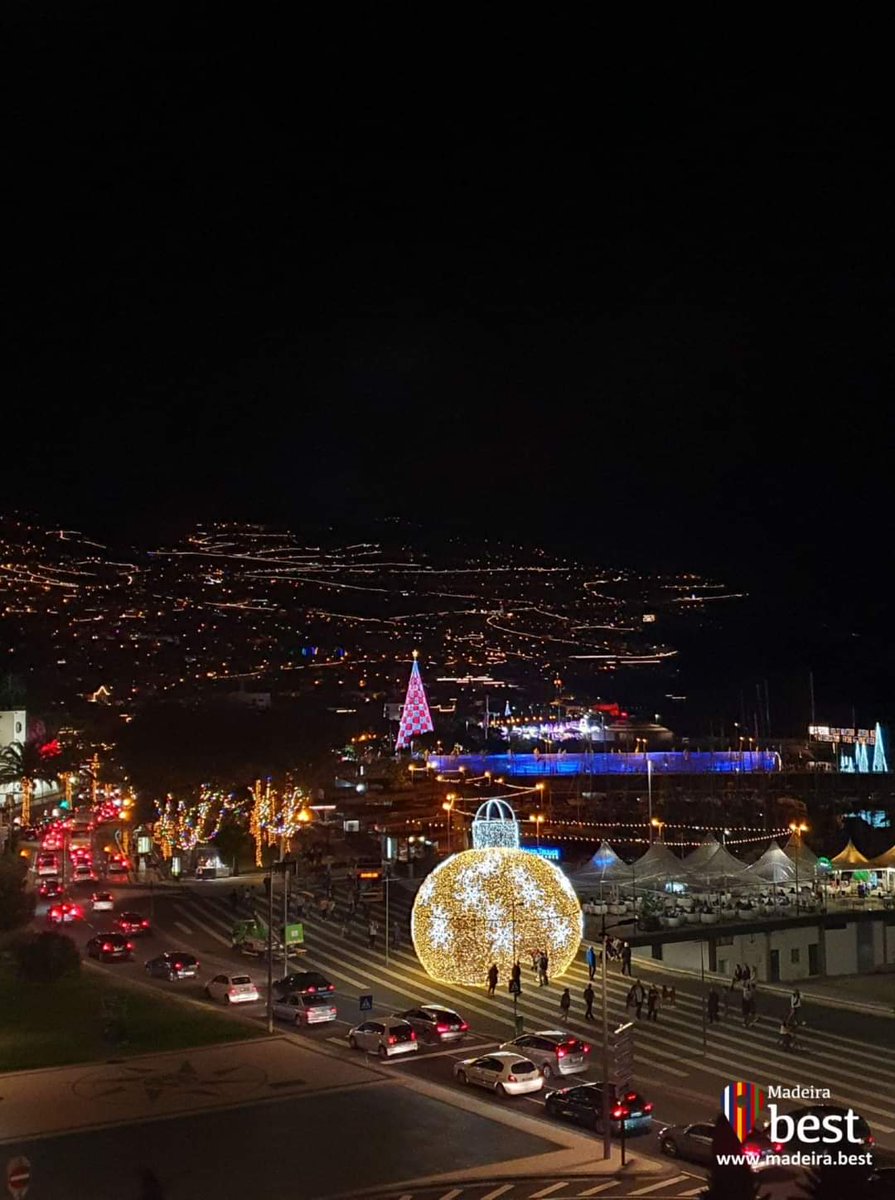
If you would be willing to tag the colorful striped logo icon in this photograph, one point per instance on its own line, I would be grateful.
(741, 1103)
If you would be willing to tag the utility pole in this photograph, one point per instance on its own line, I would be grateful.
(649, 786)
(270, 948)
(386, 879)
(285, 921)
(607, 1131)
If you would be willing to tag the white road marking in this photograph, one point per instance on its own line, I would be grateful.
(499, 1191)
(451, 1195)
(547, 1191)
(601, 1187)
(183, 928)
(693, 1191)
(654, 1187)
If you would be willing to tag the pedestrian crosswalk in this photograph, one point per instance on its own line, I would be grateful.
(674, 1186)
(856, 1072)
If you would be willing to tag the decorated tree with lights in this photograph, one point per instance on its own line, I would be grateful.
(496, 904)
(415, 716)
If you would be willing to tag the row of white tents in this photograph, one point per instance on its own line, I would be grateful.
(712, 866)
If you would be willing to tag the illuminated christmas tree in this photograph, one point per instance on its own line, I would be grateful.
(415, 717)
(880, 765)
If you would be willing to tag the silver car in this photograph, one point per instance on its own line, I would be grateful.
(385, 1036)
(553, 1051)
(435, 1023)
(503, 1072)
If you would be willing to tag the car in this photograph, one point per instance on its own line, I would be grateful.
(50, 888)
(306, 983)
(133, 924)
(435, 1023)
(47, 864)
(232, 989)
(65, 913)
(692, 1142)
(173, 965)
(116, 870)
(504, 1072)
(583, 1104)
(304, 1009)
(84, 873)
(102, 902)
(553, 1051)
(794, 1145)
(110, 947)
(385, 1036)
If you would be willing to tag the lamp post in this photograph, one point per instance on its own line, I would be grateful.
(538, 819)
(798, 828)
(649, 788)
(658, 824)
(448, 807)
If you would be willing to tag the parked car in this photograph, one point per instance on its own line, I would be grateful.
(435, 1023)
(232, 989)
(386, 1036)
(553, 1051)
(583, 1104)
(173, 965)
(504, 1072)
(110, 947)
(304, 1009)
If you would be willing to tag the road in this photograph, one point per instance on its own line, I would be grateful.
(849, 1053)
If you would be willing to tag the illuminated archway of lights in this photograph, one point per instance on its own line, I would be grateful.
(494, 906)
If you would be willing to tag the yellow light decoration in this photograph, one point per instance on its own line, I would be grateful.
(494, 905)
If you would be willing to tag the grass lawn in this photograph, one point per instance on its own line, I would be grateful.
(49, 1025)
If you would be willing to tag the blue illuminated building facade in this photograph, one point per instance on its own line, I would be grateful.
(661, 762)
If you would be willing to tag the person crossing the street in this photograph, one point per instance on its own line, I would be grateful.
(589, 1002)
(652, 1003)
(565, 1003)
(492, 978)
(591, 959)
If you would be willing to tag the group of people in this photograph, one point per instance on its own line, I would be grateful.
(638, 995)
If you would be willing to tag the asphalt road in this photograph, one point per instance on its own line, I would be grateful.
(851, 1054)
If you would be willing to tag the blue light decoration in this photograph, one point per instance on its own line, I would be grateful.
(671, 762)
(551, 853)
(860, 764)
(880, 765)
(309, 651)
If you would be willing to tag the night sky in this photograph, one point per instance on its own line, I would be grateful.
(645, 315)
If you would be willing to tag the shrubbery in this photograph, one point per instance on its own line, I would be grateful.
(16, 905)
(46, 957)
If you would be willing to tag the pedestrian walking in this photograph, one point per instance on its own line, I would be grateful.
(346, 929)
(591, 959)
(536, 962)
(516, 979)
(631, 998)
(372, 930)
(712, 1005)
(626, 959)
(492, 978)
(589, 1002)
(639, 997)
(748, 1003)
(543, 969)
(652, 1003)
(565, 1003)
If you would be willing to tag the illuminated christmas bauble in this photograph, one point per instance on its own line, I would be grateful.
(494, 905)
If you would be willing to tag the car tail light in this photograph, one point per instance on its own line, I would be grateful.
(107, 946)
(619, 1111)
(178, 966)
(392, 1041)
(561, 1052)
(647, 1108)
(129, 945)
(751, 1150)
(442, 1028)
(778, 1147)
(413, 1035)
(331, 987)
(631, 1096)
(511, 1079)
(145, 924)
(586, 1048)
(464, 1027)
(312, 989)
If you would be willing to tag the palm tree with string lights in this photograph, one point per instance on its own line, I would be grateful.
(25, 765)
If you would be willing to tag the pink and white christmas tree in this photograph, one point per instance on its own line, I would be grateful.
(415, 717)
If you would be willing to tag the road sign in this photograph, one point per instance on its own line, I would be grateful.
(622, 1048)
(295, 934)
(18, 1177)
(366, 1002)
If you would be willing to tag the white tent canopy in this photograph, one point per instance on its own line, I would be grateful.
(774, 866)
(699, 857)
(659, 863)
(604, 867)
(796, 849)
(719, 869)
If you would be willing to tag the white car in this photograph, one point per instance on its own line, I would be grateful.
(232, 989)
(386, 1036)
(508, 1074)
(102, 902)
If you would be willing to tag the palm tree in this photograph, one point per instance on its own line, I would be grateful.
(24, 764)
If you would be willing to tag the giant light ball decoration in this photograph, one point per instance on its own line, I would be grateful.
(494, 904)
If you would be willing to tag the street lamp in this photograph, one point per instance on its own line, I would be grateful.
(448, 806)
(538, 819)
(798, 828)
(659, 824)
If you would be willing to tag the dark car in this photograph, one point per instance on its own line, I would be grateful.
(133, 924)
(304, 983)
(583, 1104)
(64, 913)
(50, 888)
(692, 1142)
(172, 965)
(110, 947)
(436, 1023)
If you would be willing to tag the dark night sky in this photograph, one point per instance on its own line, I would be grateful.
(647, 315)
